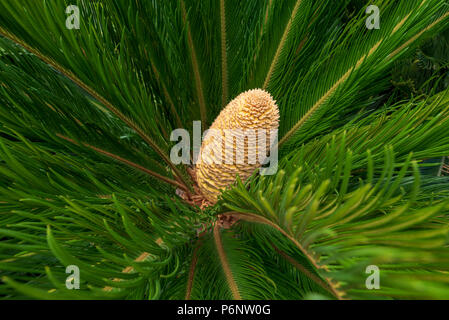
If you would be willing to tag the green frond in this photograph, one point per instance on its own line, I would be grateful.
(368, 58)
(341, 209)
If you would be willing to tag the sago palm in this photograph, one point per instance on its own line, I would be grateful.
(86, 177)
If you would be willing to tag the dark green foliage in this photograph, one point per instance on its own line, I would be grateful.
(85, 123)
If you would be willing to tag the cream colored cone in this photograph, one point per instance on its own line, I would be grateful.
(251, 110)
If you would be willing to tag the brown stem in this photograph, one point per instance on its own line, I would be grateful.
(71, 76)
(192, 269)
(262, 220)
(309, 274)
(196, 68)
(225, 264)
(250, 217)
(129, 163)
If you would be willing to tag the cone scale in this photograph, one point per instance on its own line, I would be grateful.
(251, 111)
